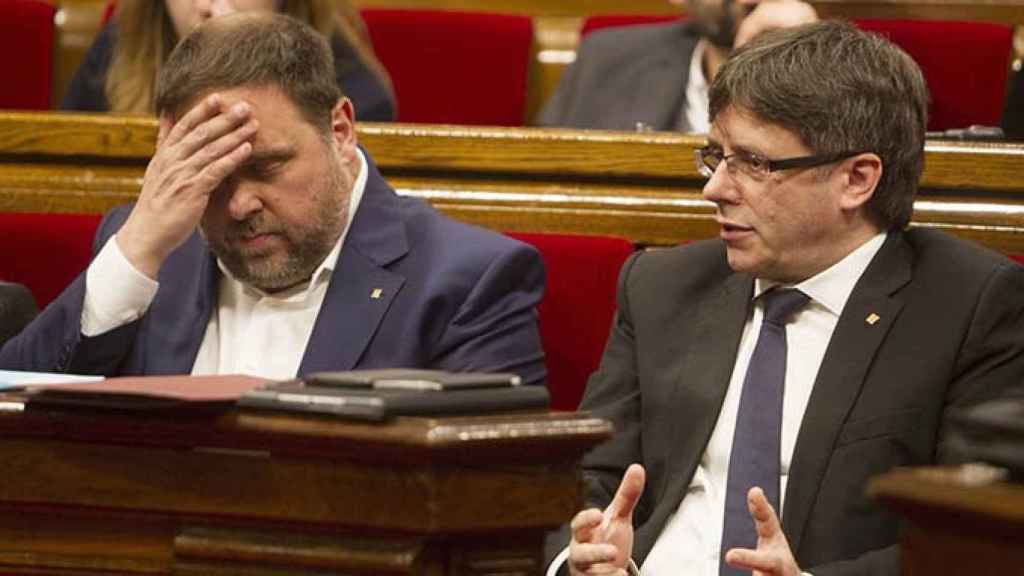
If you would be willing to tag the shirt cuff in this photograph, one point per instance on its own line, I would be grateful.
(116, 293)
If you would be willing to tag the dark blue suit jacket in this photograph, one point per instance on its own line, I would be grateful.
(452, 296)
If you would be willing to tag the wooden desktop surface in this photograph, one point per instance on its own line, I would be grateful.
(959, 520)
(232, 492)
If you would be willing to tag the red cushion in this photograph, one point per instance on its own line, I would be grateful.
(1017, 257)
(454, 67)
(614, 20)
(26, 40)
(577, 309)
(46, 251)
(108, 10)
(965, 64)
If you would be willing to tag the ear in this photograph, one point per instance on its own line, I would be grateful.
(343, 125)
(860, 176)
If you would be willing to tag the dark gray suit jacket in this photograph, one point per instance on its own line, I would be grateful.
(951, 333)
(623, 76)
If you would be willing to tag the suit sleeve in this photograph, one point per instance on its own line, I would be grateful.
(990, 366)
(53, 342)
(556, 112)
(495, 328)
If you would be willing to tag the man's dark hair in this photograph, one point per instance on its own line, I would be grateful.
(256, 50)
(839, 89)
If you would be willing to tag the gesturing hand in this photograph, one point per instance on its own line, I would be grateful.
(192, 158)
(602, 542)
(773, 556)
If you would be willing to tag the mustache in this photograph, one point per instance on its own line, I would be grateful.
(249, 228)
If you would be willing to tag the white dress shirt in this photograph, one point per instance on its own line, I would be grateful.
(249, 332)
(696, 105)
(692, 536)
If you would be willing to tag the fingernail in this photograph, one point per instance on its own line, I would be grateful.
(240, 109)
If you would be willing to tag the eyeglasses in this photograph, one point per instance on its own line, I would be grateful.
(709, 157)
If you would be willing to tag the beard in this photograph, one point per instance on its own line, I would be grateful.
(275, 268)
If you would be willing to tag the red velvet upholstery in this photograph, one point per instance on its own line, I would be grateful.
(454, 67)
(578, 305)
(46, 251)
(1017, 257)
(26, 41)
(612, 20)
(965, 64)
(108, 10)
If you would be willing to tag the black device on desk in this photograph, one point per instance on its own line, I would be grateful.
(991, 432)
(380, 394)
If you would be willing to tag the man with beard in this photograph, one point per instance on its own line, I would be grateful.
(264, 240)
(656, 76)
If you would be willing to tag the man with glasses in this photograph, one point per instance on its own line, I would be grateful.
(758, 380)
(656, 76)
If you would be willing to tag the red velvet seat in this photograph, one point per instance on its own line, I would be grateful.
(454, 67)
(965, 64)
(26, 41)
(578, 305)
(46, 251)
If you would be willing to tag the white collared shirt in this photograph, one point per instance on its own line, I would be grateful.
(249, 332)
(696, 106)
(692, 535)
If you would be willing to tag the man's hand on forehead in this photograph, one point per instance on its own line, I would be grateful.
(194, 156)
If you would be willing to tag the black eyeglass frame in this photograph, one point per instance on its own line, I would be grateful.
(812, 161)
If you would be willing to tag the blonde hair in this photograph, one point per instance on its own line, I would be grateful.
(146, 36)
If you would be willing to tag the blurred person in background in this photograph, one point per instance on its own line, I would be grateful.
(656, 77)
(120, 70)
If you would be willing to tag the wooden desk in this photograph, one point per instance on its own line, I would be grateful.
(959, 520)
(256, 493)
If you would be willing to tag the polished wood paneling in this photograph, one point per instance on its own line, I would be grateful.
(959, 520)
(642, 186)
(236, 492)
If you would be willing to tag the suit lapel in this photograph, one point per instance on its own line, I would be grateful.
(702, 383)
(361, 288)
(847, 359)
(177, 328)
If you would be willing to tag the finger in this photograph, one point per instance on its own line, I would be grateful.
(165, 126)
(765, 520)
(214, 128)
(584, 557)
(762, 561)
(584, 524)
(628, 494)
(207, 108)
(214, 173)
(224, 145)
